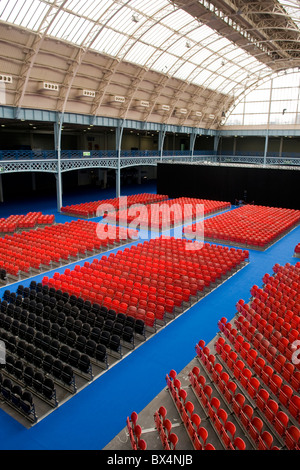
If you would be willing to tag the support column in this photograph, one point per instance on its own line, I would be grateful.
(161, 139)
(193, 136)
(119, 134)
(216, 144)
(266, 149)
(57, 141)
(280, 147)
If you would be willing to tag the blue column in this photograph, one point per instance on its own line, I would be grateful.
(119, 134)
(57, 141)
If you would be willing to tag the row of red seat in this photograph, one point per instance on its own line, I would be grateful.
(152, 278)
(243, 394)
(169, 213)
(89, 209)
(219, 419)
(41, 247)
(255, 226)
(29, 220)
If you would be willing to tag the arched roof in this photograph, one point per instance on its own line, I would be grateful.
(177, 62)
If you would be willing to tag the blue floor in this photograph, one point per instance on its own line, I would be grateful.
(92, 418)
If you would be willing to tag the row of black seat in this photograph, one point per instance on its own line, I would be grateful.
(33, 348)
(39, 331)
(41, 384)
(21, 399)
(82, 321)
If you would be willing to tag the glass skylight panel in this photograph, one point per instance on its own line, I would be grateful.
(164, 62)
(139, 53)
(185, 71)
(157, 35)
(177, 20)
(92, 9)
(109, 42)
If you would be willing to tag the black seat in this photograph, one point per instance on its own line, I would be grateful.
(99, 322)
(31, 319)
(38, 339)
(38, 323)
(11, 343)
(128, 334)
(38, 381)
(114, 343)
(28, 375)
(71, 338)
(73, 299)
(104, 338)
(95, 334)
(74, 358)
(70, 322)
(48, 363)
(54, 331)
(39, 310)
(67, 375)
(29, 353)
(24, 315)
(6, 388)
(19, 369)
(53, 315)
(38, 357)
(91, 318)
(22, 331)
(54, 347)
(57, 368)
(21, 348)
(10, 364)
(15, 327)
(26, 402)
(61, 318)
(80, 343)
(30, 334)
(87, 305)
(139, 327)
(108, 325)
(16, 394)
(64, 353)
(83, 313)
(48, 388)
(117, 328)
(86, 329)
(130, 321)
(101, 353)
(46, 326)
(62, 334)
(84, 363)
(77, 326)
(121, 318)
(46, 343)
(7, 323)
(90, 347)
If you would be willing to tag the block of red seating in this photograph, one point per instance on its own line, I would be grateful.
(152, 278)
(24, 221)
(90, 209)
(167, 214)
(250, 226)
(41, 248)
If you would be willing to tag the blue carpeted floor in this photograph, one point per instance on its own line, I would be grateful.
(95, 415)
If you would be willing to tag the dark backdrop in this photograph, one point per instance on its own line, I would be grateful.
(277, 188)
